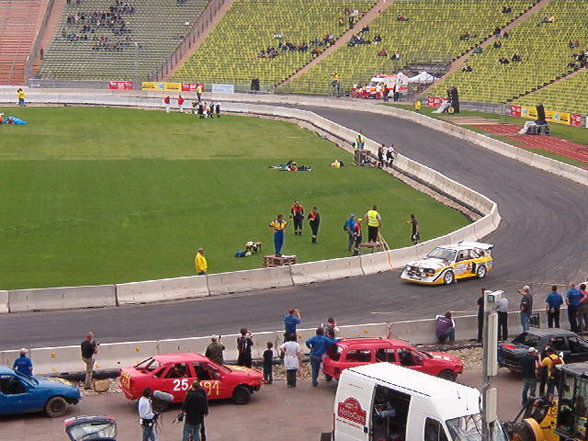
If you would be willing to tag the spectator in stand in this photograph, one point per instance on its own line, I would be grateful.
(497, 44)
(477, 49)
(445, 328)
(526, 307)
(573, 300)
(516, 58)
(507, 10)
(467, 68)
(505, 35)
(23, 364)
(382, 53)
(583, 311)
(553, 304)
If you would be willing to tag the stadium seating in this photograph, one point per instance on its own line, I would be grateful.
(543, 48)
(569, 95)
(430, 34)
(230, 53)
(18, 28)
(156, 26)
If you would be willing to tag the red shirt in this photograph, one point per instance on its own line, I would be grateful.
(180, 101)
(166, 100)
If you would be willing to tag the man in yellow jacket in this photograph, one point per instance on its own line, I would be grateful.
(374, 221)
(200, 263)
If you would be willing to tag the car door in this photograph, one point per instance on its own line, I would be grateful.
(578, 349)
(210, 379)
(176, 380)
(410, 359)
(462, 266)
(16, 396)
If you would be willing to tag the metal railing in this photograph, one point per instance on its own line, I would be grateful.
(32, 57)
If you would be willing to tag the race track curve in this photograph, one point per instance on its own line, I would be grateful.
(540, 241)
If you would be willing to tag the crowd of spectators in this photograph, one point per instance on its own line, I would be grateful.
(579, 60)
(86, 25)
(316, 44)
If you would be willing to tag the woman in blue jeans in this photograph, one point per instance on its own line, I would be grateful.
(318, 346)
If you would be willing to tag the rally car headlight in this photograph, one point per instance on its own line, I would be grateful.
(407, 268)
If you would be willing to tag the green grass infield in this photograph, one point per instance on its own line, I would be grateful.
(101, 195)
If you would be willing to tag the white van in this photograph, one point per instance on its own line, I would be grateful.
(385, 402)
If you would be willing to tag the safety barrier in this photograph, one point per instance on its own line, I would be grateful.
(249, 280)
(161, 290)
(3, 302)
(67, 359)
(44, 299)
(311, 272)
(226, 283)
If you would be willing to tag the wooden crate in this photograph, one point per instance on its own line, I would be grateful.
(271, 260)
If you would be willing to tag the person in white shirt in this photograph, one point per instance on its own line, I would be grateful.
(147, 416)
(291, 351)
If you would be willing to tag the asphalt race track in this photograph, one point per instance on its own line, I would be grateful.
(541, 241)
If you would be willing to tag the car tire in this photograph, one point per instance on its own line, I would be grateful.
(447, 375)
(522, 431)
(56, 407)
(328, 377)
(448, 277)
(241, 395)
(481, 271)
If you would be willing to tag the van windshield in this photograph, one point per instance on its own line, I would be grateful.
(469, 428)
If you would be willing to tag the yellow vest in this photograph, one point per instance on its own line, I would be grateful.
(200, 263)
(372, 216)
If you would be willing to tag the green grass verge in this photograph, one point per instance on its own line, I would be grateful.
(97, 195)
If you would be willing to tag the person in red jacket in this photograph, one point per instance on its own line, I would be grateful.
(297, 215)
(181, 103)
(166, 103)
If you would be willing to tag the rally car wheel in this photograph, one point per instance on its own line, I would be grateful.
(241, 395)
(56, 407)
(481, 272)
(447, 375)
(448, 277)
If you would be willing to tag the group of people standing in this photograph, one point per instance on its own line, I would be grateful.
(199, 107)
(278, 225)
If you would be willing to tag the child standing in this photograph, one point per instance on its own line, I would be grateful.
(268, 356)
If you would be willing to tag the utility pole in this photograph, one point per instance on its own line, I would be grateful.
(489, 363)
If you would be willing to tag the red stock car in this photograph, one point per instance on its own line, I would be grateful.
(353, 352)
(174, 373)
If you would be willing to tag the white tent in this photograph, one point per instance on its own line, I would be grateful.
(423, 78)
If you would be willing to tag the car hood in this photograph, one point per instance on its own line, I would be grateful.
(245, 371)
(57, 385)
(429, 262)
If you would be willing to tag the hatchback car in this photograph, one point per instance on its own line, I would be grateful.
(353, 352)
(23, 394)
(573, 347)
(449, 263)
(174, 373)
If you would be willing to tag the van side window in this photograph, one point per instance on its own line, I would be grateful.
(434, 431)
(361, 355)
(389, 415)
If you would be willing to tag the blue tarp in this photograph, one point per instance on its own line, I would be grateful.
(13, 120)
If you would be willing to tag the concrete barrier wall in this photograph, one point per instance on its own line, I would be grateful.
(45, 299)
(67, 359)
(374, 263)
(161, 290)
(311, 272)
(4, 302)
(249, 280)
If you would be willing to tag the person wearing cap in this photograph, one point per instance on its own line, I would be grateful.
(348, 227)
(194, 409)
(526, 307)
(549, 363)
(215, 349)
(200, 263)
(23, 364)
(529, 365)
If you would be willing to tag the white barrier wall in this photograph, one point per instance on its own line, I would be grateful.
(111, 356)
(161, 290)
(75, 297)
(3, 302)
(241, 281)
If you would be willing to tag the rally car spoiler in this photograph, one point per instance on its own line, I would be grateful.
(480, 245)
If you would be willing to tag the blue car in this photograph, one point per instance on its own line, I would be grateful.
(22, 394)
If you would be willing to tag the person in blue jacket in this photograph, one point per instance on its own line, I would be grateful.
(318, 346)
(23, 364)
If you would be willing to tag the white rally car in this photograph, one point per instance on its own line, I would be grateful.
(446, 264)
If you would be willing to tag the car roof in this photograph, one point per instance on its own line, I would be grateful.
(370, 342)
(551, 332)
(181, 357)
(467, 246)
(4, 370)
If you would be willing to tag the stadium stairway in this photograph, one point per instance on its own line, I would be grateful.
(373, 13)
(461, 61)
(18, 29)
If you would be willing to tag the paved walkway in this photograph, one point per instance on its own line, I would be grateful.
(274, 412)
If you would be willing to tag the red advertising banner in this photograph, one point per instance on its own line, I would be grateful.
(576, 120)
(515, 111)
(191, 87)
(120, 85)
